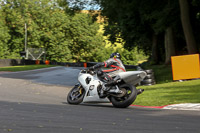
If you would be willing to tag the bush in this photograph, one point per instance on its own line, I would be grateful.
(132, 57)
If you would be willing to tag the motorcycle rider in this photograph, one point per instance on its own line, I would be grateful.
(115, 66)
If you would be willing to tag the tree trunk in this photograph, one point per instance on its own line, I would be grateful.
(169, 45)
(187, 28)
(154, 56)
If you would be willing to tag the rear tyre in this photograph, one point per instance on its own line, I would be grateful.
(127, 99)
(149, 71)
(76, 95)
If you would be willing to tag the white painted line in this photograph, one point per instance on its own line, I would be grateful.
(184, 106)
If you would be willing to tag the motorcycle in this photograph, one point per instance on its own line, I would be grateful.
(90, 86)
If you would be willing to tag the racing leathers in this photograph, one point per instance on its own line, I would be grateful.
(114, 66)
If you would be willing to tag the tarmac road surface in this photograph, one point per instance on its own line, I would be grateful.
(35, 102)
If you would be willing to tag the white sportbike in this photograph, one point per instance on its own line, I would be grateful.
(90, 87)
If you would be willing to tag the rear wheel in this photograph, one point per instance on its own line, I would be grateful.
(127, 99)
(76, 95)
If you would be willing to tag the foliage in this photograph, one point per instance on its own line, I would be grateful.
(66, 35)
(133, 56)
(4, 37)
(138, 21)
(126, 22)
(85, 37)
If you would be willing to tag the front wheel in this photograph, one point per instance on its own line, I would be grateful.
(127, 99)
(76, 95)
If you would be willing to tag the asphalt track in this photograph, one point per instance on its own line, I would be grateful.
(35, 102)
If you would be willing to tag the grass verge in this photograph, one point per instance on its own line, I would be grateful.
(163, 73)
(170, 93)
(24, 67)
(166, 91)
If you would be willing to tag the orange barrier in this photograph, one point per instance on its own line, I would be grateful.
(37, 62)
(47, 62)
(185, 67)
(85, 65)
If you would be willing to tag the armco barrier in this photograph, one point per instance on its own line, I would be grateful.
(14, 62)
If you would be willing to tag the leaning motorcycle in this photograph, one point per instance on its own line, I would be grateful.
(121, 95)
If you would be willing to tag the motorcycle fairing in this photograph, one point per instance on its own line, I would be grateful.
(91, 94)
(132, 77)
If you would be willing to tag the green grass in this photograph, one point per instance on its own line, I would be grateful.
(170, 93)
(166, 91)
(162, 73)
(24, 67)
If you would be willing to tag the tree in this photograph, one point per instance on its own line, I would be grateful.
(4, 37)
(85, 37)
(169, 45)
(142, 23)
(187, 28)
(65, 35)
(14, 24)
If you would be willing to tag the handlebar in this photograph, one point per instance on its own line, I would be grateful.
(92, 72)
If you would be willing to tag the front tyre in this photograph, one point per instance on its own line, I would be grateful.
(76, 95)
(127, 99)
